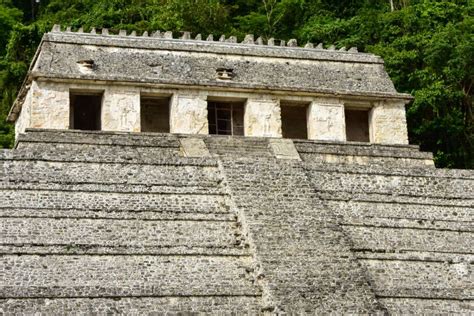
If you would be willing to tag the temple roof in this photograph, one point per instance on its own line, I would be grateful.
(162, 59)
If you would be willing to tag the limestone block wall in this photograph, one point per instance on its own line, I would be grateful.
(24, 119)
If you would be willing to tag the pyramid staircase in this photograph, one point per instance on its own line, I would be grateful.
(102, 222)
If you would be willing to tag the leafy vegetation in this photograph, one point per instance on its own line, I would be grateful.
(428, 47)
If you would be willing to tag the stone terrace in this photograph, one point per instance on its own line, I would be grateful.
(103, 222)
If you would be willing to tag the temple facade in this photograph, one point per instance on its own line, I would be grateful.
(157, 83)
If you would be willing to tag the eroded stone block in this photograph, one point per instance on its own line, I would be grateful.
(194, 147)
(284, 149)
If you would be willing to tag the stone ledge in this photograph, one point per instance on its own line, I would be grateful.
(113, 233)
(459, 174)
(413, 305)
(115, 276)
(414, 255)
(114, 201)
(389, 210)
(120, 214)
(220, 305)
(153, 43)
(51, 136)
(395, 199)
(80, 249)
(408, 224)
(128, 189)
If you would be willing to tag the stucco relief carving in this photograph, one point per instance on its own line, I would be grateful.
(188, 115)
(262, 118)
(326, 121)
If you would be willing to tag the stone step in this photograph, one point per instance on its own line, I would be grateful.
(114, 201)
(420, 279)
(125, 276)
(414, 255)
(97, 138)
(114, 188)
(172, 305)
(94, 153)
(241, 152)
(409, 239)
(393, 184)
(408, 200)
(104, 154)
(419, 306)
(351, 148)
(73, 235)
(109, 173)
(238, 146)
(334, 169)
(416, 212)
(363, 154)
(403, 223)
(12, 212)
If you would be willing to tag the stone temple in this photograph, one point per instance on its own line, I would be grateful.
(164, 175)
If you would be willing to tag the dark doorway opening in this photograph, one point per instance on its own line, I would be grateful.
(155, 114)
(85, 111)
(226, 118)
(357, 125)
(294, 122)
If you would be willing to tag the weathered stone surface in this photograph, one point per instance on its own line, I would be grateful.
(431, 306)
(306, 262)
(238, 146)
(120, 236)
(199, 68)
(363, 154)
(284, 149)
(24, 120)
(194, 147)
(97, 222)
(388, 123)
(219, 305)
(115, 276)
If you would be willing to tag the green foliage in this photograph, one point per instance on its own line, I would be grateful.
(427, 45)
